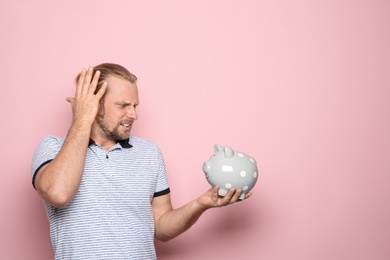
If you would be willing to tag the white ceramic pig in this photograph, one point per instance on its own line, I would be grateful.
(228, 169)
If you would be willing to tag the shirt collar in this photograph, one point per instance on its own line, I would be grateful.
(124, 143)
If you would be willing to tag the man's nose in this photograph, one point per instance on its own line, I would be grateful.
(132, 113)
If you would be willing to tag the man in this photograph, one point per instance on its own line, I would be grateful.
(105, 191)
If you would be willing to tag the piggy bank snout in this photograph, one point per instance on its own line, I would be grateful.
(206, 168)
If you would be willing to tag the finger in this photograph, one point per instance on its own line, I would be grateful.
(248, 195)
(87, 80)
(236, 196)
(80, 82)
(214, 194)
(229, 196)
(94, 82)
(102, 90)
(70, 100)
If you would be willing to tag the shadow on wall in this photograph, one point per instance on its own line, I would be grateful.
(230, 223)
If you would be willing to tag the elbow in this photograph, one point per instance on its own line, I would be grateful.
(164, 240)
(57, 199)
(163, 237)
(59, 202)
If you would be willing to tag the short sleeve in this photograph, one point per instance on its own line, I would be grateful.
(46, 150)
(162, 186)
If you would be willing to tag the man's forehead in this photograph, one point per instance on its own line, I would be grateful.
(113, 81)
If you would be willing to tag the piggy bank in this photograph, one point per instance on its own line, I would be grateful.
(228, 169)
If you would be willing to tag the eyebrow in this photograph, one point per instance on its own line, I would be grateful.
(127, 103)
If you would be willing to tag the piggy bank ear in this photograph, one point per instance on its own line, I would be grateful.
(229, 153)
(217, 148)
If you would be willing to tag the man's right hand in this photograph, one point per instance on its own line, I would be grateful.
(85, 104)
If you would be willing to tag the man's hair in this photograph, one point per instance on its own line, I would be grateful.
(107, 70)
(111, 69)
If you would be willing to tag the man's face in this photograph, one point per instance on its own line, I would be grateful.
(120, 102)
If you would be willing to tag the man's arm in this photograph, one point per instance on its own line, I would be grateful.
(58, 181)
(169, 222)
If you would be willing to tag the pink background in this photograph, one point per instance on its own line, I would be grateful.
(302, 86)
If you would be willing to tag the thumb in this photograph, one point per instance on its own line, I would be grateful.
(70, 100)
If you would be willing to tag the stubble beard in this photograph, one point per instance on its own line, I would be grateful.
(113, 134)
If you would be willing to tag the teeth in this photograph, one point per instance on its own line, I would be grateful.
(126, 124)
